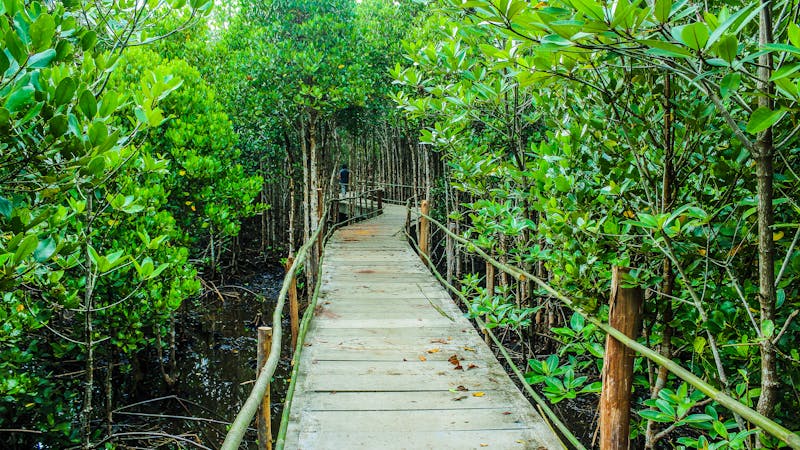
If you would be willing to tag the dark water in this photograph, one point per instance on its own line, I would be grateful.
(216, 363)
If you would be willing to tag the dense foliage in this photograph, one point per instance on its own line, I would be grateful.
(117, 167)
(658, 136)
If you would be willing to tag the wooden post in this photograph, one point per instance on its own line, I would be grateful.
(320, 225)
(408, 217)
(264, 421)
(449, 251)
(489, 279)
(294, 307)
(489, 293)
(625, 314)
(335, 210)
(380, 199)
(424, 227)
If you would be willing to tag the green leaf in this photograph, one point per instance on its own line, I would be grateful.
(729, 84)
(42, 31)
(728, 48)
(767, 329)
(5, 116)
(785, 71)
(88, 40)
(19, 98)
(695, 35)
(26, 247)
(41, 60)
(655, 416)
(15, 47)
(763, 118)
(6, 207)
(662, 10)
(45, 250)
(4, 62)
(65, 91)
(57, 126)
(88, 104)
(699, 344)
(777, 48)
(664, 48)
(794, 34)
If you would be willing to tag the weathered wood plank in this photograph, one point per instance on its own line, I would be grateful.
(526, 439)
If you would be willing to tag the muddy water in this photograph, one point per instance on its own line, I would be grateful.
(216, 365)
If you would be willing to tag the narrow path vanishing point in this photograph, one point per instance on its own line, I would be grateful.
(377, 370)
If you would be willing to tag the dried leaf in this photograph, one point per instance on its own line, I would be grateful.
(484, 445)
(459, 398)
(506, 413)
(433, 350)
(461, 388)
(454, 360)
(438, 341)
(472, 366)
(422, 358)
(458, 367)
(469, 349)
(478, 394)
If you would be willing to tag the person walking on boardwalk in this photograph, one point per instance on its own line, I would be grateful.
(344, 179)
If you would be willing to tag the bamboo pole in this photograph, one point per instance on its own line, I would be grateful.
(424, 228)
(625, 314)
(264, 420)
(774, 429)
(294, 307)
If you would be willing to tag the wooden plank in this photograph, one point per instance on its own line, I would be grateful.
(412, 420)
(433, 440)
(401, 401)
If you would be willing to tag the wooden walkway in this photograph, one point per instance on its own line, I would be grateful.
(391, 363)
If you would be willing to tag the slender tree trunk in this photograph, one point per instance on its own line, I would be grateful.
(766, 247)
(668, 285)
(86, 411)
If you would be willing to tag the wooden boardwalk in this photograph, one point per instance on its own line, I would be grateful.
(378, 370)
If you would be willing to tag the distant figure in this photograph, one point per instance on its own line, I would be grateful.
(344, 179)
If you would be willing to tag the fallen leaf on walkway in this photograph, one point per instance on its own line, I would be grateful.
(422, 358)
(506, 413)
(461, 388)
(484, 445)
(454, 360)
(434, 350)
(438, 341)
(459, 398)
(478, 394)
(469, 349)
(472, 366)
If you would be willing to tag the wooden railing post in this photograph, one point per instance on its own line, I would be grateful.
(424, 227)
(408, 217)
(320, 212)
(264, 420)
(294, 307)
(449, 250)
(625, 314)
(489, 279)
(380, 199)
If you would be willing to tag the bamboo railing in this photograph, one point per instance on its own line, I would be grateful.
(245, 416)
(733, 405)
